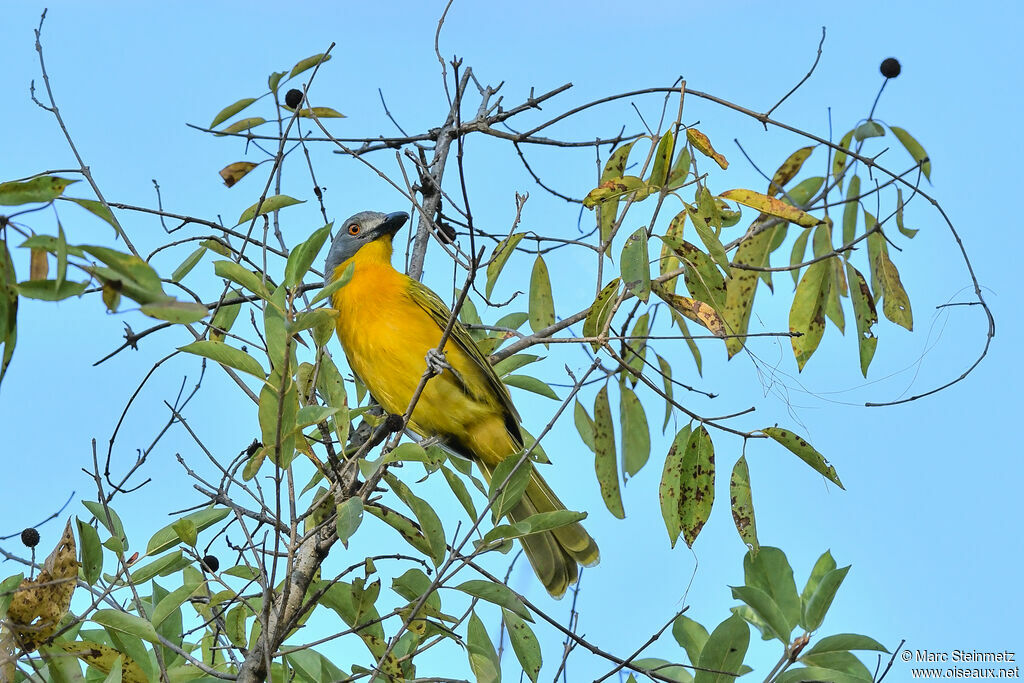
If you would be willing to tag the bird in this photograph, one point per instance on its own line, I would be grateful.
(388, 324)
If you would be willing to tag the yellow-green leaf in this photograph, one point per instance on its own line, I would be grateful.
(42, 189)
(173, 311)
(226, 355)
(697, 484)
(915, 149)
(671, 481)
(239, 126)
(662, 159)
(805, 452)
(864, 314)
(788, 170)
(230, 110)
(635, 265)
(604, 451)
(542, 305)
(320, 113)
(807, 314)
(895, 303)
(772, 207)
(839, 162)
(273, 203)
(308, 63)
(636, 435)
(743, 504)
(704, 146)
(601, 311)
(499, 257)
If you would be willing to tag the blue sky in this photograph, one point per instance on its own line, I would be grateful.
(929, 517)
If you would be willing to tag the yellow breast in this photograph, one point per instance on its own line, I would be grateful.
(386, 336)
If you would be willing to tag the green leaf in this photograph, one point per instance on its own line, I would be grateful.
(496, 593)
(275, 329)
(850, 211)
(601, 311)
(309, 415)
(226, 355)
(230, 110)
(430, 523)
(273, 203)
(635, 265)
(797, 255)
(636, 435)
(604, 451)
(671, 481)
(96, 208)
(530, 384)
(513, 363)
(702, 218)
(524, 644)
(844, 642)
(349, 517)
(179, 312)
(499, 257)
(663, 667)
(303, 255)
(170, 603)
(839, 162)
(680, 169)
(47, 290)
(126, 623)
(662, 158)
(278, 408)
(113, 524)
(609, 192)
(483, 659)
(186, 530)
(768, 570)
(821, 600)
(915, 149)
(137, 278)
(92, 552)
(42, 189)
(703, 279)
(807, 314)
(188, 264)
(908, 232)
(168, 538)
(690, 635)
(161, 566)
(308, 63)
(338, 283)
(864, 314)
(724, 652)
(816, 673)
(868, 129)
(274, 79)
(518, 477)
(822, 566)
(666, 376)
(584, 425)
(542, 307)
(805, 452)
(232, 271)
(742, 504)
(697, 484)
(766, 610)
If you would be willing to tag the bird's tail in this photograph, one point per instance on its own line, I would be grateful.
(554, 554)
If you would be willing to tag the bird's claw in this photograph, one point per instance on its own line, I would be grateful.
(436, 362)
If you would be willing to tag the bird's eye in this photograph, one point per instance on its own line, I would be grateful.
(353, 229)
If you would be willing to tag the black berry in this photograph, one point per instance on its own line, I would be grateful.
(293, 98)
(211, 563)
(890, 67)
(30, 537)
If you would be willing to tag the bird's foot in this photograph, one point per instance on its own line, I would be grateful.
(436, 362)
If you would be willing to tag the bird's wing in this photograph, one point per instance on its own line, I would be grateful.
(430, 302)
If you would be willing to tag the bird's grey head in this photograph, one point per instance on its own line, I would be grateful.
(359, 230)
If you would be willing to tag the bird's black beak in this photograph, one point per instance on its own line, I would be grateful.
(392, 223)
